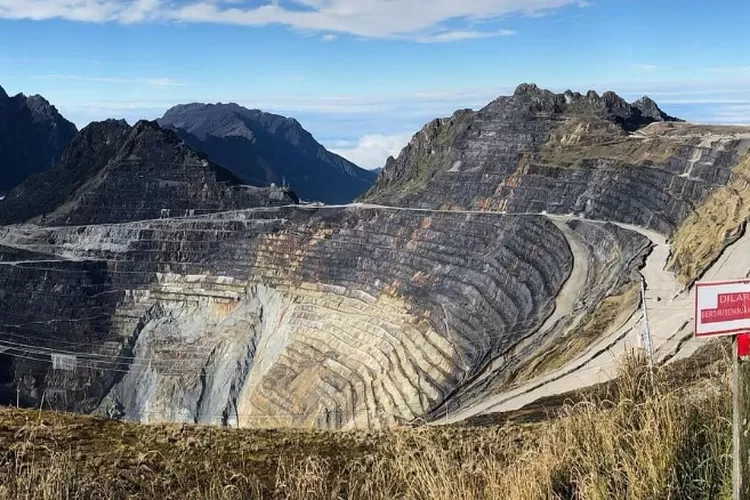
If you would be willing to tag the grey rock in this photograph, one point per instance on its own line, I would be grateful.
(33, 136)
(264, 148)
(595, 156)
(115, 173)
(329, 317)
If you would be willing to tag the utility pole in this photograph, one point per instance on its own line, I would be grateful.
(18, 394)
(646, 343)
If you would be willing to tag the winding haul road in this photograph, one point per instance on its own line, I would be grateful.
(669, 305)
(670, 311)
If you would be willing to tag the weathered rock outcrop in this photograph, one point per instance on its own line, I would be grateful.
(114, 173)
(263, 148)
(307, 316)
(597, 157)
(33, 135)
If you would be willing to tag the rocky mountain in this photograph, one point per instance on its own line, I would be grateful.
(533, 137)
(264, 148)
(594, 156)
(499, 259)
(33, 135)
(114, 173)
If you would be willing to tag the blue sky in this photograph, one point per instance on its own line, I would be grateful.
(364, 75)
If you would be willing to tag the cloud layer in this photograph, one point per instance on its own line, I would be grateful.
(369, 129)
(371, 150)
(158, 83)
(442, 21)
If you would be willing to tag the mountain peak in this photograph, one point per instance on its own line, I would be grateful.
(650, 109)
(609, 105)
(144, 171)
(33, 136)
(143, 126)
(266, 148)
(531, 90)
(508, 128)
(99, 133)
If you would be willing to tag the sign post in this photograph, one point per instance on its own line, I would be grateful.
(723, 308)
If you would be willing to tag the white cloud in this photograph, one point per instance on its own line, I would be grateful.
(329, 37)
(371, 151)
(139, 11)
(159, 83)
(164, 83)
(733, 114)
(454, 36)
(399, 19)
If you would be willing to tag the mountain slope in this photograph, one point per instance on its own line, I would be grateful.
(264, 148)
(33, 135)
(113, 173)
(566, 153)
(508, 266)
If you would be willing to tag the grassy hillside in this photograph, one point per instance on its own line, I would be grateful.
(641, 440)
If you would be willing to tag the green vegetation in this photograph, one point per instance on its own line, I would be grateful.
(445, 133)
(643, 441)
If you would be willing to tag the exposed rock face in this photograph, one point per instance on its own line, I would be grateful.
(518, 235)
(115, 173)
(33, 135)
(264, 148)
(329, 317)
(564, 153)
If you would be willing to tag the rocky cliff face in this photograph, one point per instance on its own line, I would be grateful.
(329, 317)
(263, 148)
(594, 156)
(513, 249)
(33, 135)
(534, 151)
(114, 173)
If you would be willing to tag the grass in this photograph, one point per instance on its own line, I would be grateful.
(612, 312)
(580, 139)
(715, 224)
(423, 160)
(644, 440)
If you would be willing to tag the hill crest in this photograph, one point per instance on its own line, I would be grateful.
(264, 148)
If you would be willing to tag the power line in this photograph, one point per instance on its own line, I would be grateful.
(20, 354)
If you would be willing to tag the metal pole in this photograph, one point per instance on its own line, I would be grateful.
(647, 344)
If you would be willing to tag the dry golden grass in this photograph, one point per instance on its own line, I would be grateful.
(650, 441)
(610, 314)
(580, 139)
(717, 222)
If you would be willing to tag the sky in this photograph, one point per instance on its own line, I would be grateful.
(364, 75)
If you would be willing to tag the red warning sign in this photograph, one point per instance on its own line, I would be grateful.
(722, 308)
(732, 306)
(743, 345)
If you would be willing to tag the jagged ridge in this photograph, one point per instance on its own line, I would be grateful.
(114, 173)
(33, 135)
(595, 156)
